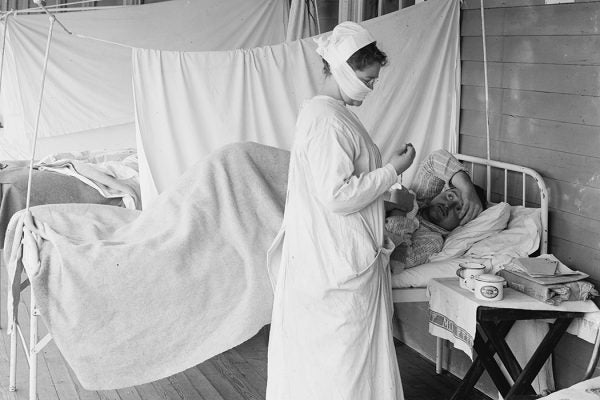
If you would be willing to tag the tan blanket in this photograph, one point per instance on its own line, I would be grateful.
(132, 297)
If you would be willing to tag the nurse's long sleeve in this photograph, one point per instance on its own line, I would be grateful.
(330, 157)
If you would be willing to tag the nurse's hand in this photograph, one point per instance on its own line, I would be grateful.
(403, 158)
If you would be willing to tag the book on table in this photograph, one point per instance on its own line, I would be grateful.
(545, 271)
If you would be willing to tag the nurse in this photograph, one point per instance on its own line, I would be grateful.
(331, 335)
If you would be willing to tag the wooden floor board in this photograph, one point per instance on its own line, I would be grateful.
(242, 371)
(254, 351)
(255, 381)
(147, 391)
(129, 393)
(202, 384)
(166, 389)
(82, 393)
(52, 362)
(219, 381)
(183, 387)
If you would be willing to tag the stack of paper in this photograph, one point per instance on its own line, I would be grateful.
(545, 271)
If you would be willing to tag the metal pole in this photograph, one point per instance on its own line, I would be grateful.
(33, 339)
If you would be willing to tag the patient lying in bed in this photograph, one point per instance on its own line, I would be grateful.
(440, 198)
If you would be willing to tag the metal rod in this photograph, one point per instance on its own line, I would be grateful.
(506, 185)
(33, 338)
(12, 385)
(524, 193)
(41, 4)
(37, 119)
(23, 343)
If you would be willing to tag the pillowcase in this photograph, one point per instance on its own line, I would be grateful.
(489, 222)
(520, 238)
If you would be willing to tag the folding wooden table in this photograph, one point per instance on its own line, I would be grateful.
(493, 324)
(493, 321)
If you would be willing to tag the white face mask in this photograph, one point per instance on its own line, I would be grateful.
(349, 83)
(346, 38)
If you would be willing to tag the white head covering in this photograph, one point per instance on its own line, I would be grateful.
(346, 38)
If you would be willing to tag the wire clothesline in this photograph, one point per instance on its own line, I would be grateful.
(52, 16)
(487, 103)
(65, 7)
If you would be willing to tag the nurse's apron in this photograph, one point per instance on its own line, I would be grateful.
(355, 360)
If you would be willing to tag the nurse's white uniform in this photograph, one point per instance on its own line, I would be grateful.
(331, 334)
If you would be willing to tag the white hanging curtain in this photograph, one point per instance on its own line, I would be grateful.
(188, 104)
(304, 20)
(88, 86)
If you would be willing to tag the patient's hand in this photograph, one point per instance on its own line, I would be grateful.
(471, 206)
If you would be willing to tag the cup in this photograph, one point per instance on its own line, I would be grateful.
(489, 287)
(467, 272)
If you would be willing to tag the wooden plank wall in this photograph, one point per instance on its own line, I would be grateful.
(544, 96)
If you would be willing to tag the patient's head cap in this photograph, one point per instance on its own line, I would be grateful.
(346, 39)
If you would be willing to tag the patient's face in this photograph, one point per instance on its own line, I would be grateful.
(444, 209)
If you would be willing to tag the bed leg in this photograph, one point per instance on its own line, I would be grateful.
(33, 340)
(439, 355)
(12, 385)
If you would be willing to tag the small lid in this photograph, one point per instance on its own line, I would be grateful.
(490, 278)
(471, 265)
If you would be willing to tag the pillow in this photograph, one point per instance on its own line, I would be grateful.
(520, 238)
(490, 221)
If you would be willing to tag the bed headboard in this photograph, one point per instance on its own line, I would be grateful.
(494, 177)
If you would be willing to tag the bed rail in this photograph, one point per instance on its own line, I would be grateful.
(527, 174)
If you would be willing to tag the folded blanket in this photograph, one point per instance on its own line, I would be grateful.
(46, 188)
(134, 296)
(112, 174)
